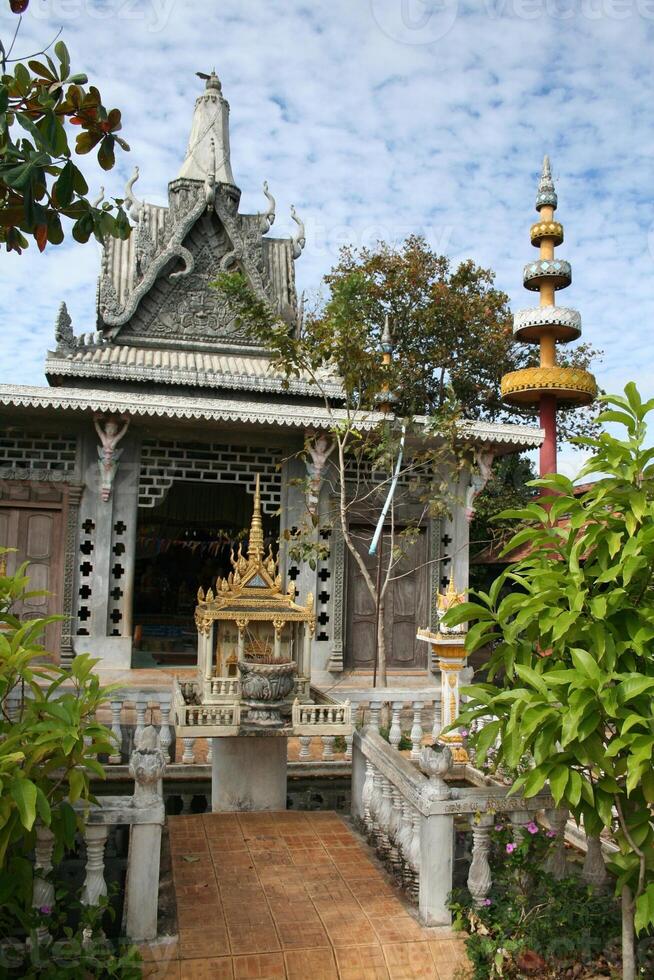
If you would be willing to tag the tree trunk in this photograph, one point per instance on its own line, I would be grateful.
(628, 936)
(382, 680)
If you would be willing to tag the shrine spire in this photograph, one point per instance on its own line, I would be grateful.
(255, 542)
(208, 149)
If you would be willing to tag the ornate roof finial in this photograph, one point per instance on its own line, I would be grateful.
(546, 196)
(255, 541)
(210, 122)
(64, 335)
(268, 217)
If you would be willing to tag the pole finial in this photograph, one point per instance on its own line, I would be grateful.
(255, 542)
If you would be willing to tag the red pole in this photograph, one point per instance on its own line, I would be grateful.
(548, 422)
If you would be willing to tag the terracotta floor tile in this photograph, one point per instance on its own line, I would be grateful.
(300, 935)
(361, 963)
(310, 964)
(347, 927)
(251, 930)
(160, 951)
(410, 961)
(397, 928)
(205, 940)
(161, 971)
(214, 968)
(259, 966)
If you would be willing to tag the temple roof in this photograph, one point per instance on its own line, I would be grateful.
(504, 438)
(155, 292)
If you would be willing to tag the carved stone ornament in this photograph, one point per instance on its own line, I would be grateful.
(146, 766)
(436, 763)
(110, 433)
(64, 336)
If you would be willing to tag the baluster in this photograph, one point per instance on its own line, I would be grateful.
(43, 892)
(327, 748)
(188, 755)
(416, 730)
(394, 829)
(348, 746)
(385, 811)
(375, 713)
(404, 838)
(187, 800)
(210, 750)
(116, 757)
(557, 862)
(375, 802)
(519, 821)
(305, 747)
(594, 870)
(366, 794)
(479, 875)
(436, 727)
(141, 705)
(165, 734)
(13, 702)
(414, 853)
(95, 887)
(395, 734)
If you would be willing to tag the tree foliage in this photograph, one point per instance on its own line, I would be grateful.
(452, 329)
(40, 104)
(572, 657)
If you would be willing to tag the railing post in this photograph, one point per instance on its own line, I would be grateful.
(147, 765)
(116, 708)
(328, 748)
(305, 747)
(479, 875)
(95, 887)
(348, 746)
(361, 786)
(416, 730)
(141, 706)
(436, 863)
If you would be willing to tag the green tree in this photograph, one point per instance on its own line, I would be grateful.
(49, 741)
(452, 329)
(41, 103)
(572, 659)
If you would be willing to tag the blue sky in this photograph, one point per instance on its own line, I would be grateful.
(379, 118)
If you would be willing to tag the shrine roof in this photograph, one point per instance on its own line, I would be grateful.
(505, 438)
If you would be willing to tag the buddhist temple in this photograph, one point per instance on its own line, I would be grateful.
(548, 385)
(127, 482)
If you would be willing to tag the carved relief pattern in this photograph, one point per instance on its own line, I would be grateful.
(69, 606)
(29, 452)
(338, 604)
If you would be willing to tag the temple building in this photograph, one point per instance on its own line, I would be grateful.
(128, 480)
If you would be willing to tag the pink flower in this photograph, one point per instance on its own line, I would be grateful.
(487, 901)
(499, 826)
(464, 732)
(45, 910)
(510, 848)
(532, 827)
(551, 833)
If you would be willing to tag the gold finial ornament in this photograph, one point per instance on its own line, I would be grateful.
(255, 543)
(449, 600)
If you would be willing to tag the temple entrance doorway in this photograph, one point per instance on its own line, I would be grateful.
(406, 608)
(182, 544)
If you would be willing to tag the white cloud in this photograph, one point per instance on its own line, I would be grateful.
(377, 119)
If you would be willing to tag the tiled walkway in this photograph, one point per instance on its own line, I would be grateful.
(296, 895)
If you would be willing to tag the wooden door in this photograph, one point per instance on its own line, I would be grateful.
(406, 610)
(36, 536)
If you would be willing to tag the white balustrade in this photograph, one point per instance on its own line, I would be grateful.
(348, 747)
(328, 748)
(557, 862)
(594, 870)
(165, 734)
(116, 709)
(141, 706)
(43, 890)
(395, 733)
(305, 747)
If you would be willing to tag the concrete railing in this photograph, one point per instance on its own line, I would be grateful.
(144, 813)
(409, 819)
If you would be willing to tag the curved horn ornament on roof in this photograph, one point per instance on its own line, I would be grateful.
(268, 217)
(298, 238)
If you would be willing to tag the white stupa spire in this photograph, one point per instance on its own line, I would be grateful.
(208, 145)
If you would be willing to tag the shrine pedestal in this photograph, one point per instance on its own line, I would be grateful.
(248, 773)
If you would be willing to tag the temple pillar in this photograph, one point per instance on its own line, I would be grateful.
(248, 773)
